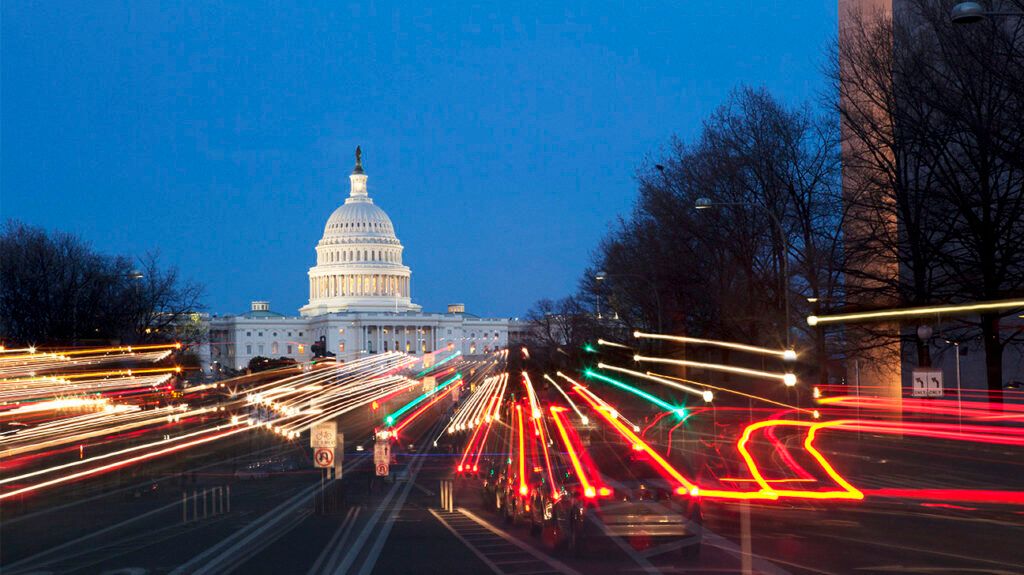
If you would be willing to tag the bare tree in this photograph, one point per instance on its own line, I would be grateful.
(933, 162)
(55, 290)
(772, 175)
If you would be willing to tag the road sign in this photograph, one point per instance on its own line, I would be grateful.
(927, 382)
(382, 470)
(382, 452)
(429, 384)
(323, 457)
(324, 435)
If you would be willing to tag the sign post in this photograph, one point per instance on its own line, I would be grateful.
(927, 382)
(323, 438)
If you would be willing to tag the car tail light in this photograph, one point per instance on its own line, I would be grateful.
(590, 493)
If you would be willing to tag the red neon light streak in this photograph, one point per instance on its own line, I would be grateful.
(483, 444)
(588, 489)
(634, 440)
(469, 448)
(848, 491)
(547, 459)
(960, 495)
(523, 490)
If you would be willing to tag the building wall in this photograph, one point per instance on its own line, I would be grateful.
(234, 340)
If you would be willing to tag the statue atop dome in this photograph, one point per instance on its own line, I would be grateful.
(359, 161)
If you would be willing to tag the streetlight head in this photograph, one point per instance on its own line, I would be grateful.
(789, 355)
(135, 275)
(967, 13)
(789, 379)
(702, 203)
(600, 276)
(812, 320)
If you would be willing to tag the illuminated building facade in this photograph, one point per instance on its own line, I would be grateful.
(360, 301)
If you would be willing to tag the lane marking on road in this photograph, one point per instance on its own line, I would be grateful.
(48, 510)
(424, 490)
(382, 535)
(29, 560)
(228, 547)
(364, 534)
(1018, 566)
(471, 547)
(334, 545)
(760, 564)
(554, 563)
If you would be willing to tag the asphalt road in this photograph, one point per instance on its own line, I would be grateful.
(277, 524)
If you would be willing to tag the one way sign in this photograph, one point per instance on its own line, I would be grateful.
(927, 383)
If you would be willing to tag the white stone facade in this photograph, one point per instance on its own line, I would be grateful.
(360, 301)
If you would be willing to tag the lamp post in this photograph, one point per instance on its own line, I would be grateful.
(973, 12)
(706, 203)
(959, 405)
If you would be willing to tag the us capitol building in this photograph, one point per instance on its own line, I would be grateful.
(360, 301)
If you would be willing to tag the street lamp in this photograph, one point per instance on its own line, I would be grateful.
(973, 12)
(602, 275)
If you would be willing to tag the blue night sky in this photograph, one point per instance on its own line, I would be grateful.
(502, 140)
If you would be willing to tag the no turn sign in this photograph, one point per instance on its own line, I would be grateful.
(323, 457)
(382, 470)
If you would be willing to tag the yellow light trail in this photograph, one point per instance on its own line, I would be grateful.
(915, 312)
(787, 378)
(787, 354)
(143, 457)
(583, 418)
(612, 344)
(813, 412)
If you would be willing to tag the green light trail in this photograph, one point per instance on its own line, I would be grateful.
(390, 420)
(679, 411)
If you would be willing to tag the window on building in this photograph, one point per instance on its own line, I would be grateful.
(407, 348)
(341, 346)
(302, 349)
(260, 334)
(449, 331)
(385, 345)
(290, 334)
(275, 334)
(289, 349)
(261, 349)
(273, 348)
(248, 334)
(248, 350)
(300, 334)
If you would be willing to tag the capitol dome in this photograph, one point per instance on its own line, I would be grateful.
(359, 259)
